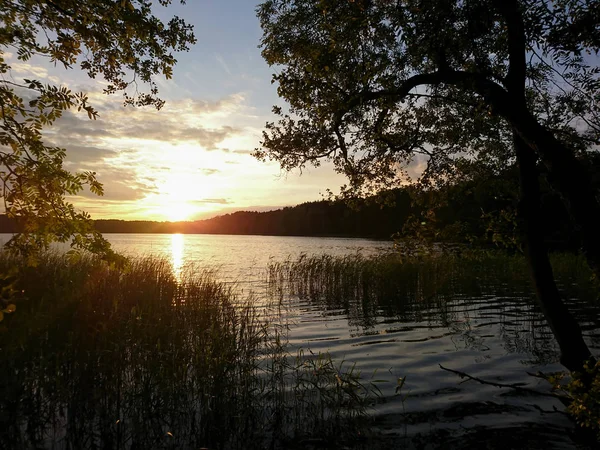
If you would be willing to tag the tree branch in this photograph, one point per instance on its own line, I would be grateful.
(479, 83)
(514, 386)
(515, 79)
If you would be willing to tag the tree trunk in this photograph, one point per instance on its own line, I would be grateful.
(573, 350)
(566, 174)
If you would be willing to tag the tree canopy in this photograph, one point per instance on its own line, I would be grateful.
(120, 41)
(373, 84)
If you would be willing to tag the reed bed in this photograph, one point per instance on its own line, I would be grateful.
(392, 280)
(96, 357)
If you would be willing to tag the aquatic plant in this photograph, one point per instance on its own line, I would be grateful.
(97, 357)
(583, 392)
(429, 284)
(398, 278)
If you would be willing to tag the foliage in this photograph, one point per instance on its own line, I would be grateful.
(120, 41)
(477, 206)
(375, 85)
(584, 392)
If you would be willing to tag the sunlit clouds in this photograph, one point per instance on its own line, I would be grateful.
(192, 159)
(189, 160)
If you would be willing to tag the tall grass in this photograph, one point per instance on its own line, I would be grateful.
(96, 357)
(433, 287)
(417, 279)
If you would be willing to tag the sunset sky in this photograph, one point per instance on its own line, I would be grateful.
(192, 158)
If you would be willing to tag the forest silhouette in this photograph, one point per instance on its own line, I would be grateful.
(478, 209)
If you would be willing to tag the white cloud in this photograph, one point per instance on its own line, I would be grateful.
(195, 150)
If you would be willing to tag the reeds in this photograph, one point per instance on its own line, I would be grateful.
(97, 357)
(397, 283)
(355, 277)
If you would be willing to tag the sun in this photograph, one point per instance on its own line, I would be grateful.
(183, 193)
(178, 211)
(177, 196)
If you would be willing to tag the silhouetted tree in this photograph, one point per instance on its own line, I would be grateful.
(373, 83)
(120, 40)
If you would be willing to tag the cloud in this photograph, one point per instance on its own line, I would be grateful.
(166, 132)
(147, 158)
(243, 152)
(167, 125)
(100, 208)
(223, 64)
(77, 125)
(122, 191)
(105, 145)
(417, 166)
(27, 69)
(209, 171)
(225, 105)
(122, 184)
(81, 156)
(212, 201)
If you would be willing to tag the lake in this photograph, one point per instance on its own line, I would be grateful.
(489, 328)
(240, 259)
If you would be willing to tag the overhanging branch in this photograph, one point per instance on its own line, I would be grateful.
(490, 90)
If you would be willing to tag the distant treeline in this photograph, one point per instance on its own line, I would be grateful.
(479, 207)
(320, 218)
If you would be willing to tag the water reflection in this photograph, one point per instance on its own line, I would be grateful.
(480, 310)
(478, 316)
(177, 248)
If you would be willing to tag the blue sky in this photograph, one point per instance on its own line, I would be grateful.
(191, 159)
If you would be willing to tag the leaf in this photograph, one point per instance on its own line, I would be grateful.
(36, 183)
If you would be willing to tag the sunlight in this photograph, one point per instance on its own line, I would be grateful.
(177, 246)
(176, 212)
(178, 197)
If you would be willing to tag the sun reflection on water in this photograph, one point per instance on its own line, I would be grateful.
(177, 246)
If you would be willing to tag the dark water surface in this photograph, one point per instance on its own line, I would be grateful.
(489, 328)
(498, 337)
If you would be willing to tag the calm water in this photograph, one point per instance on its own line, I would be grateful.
(239, 259)
(492, 332)
(242, 259)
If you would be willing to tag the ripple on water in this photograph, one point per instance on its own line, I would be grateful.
(494, 332)
(496, 338)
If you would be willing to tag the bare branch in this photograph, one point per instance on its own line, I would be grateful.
(515, 386)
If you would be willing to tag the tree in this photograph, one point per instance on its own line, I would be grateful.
(373, 83)
(119, 40)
